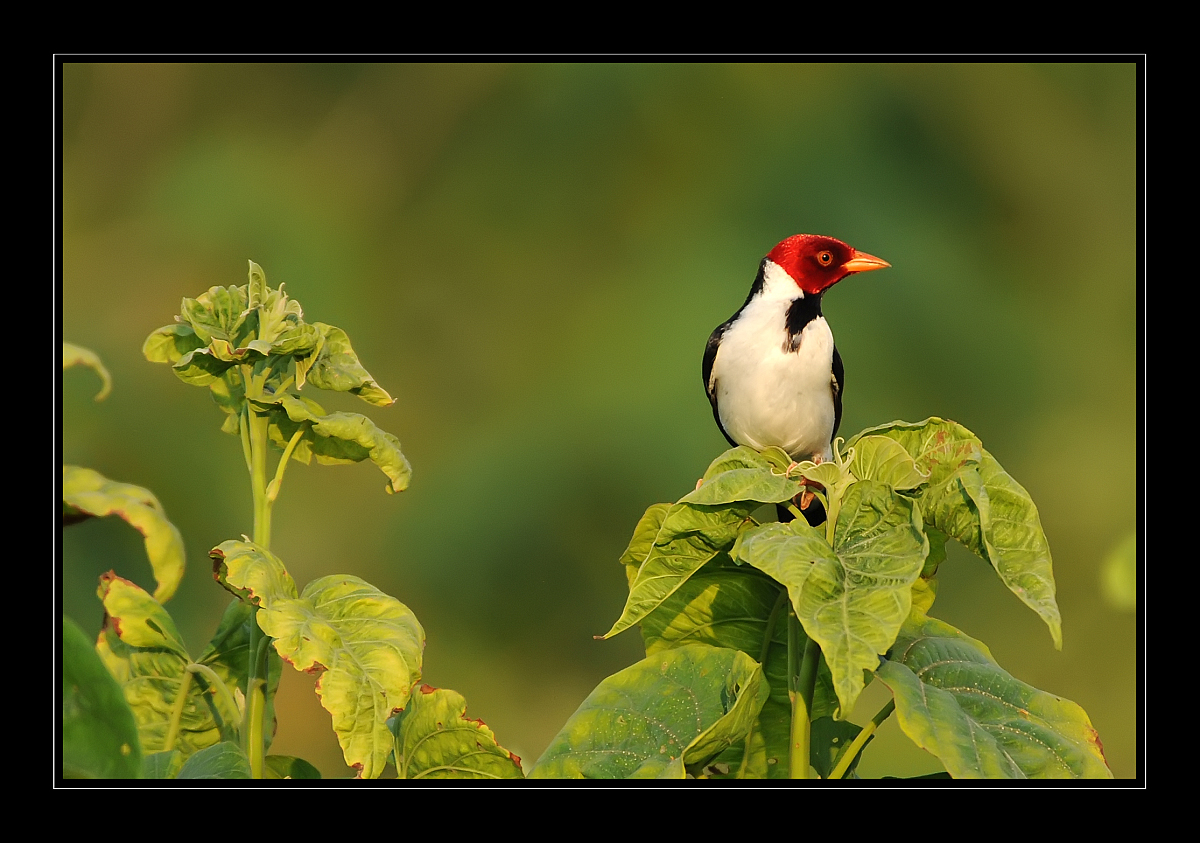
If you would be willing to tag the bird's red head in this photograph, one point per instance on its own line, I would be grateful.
(816, 263)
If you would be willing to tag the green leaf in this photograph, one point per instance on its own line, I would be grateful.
(884, 460)
(289, 767)
(75, 355)
(337, 368)
(954, 701)
(691, 534)
(436, 740)
(743, 474)
(855, 603)
(851, 598)
(99, 735)
(668, 715)
(726, 605)
(89, 493)
(365, 645)
(643, 539)
(969, 497)
(340, 438)
(201, 367)
(786, 552)
(170, 343)
(256, 285)
(142, 649)
(1015, 543)
(222, 761)
(216, 314)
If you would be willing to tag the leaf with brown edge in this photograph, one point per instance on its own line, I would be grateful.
(144, 652)
(366, 646)
(89, 493)
(436, 740)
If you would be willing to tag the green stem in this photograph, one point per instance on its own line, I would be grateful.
(256, 685)
(804, 684)
(860, 740)
(780, 601)
(185, 685)
(274, 485)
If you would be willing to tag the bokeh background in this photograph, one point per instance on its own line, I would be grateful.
(530, 258)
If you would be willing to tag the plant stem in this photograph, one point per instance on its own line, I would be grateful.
(860, 740)
(256, 702)
(256, 707)
(803, 683)
(768, 635)
(177, 712)
(274, 486)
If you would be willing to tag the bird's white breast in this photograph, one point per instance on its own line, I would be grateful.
(768, 395)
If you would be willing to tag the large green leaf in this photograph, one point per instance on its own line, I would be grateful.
(365, 645)
(969, 497)
(668, 715)
(954, 701)
(88, 493)
(142, 649)
(336, 367)
(76, 355)
(726, 605)
(436, 740)
(853, 597)
(693, 533)
(99, 734)
(854, 606)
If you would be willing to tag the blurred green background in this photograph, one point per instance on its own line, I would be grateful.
(530, 258)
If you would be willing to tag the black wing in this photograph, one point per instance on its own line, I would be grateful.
(710, 384)
(839, 382)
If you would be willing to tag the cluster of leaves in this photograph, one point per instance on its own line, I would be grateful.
(708, 585)
(135, 703)
(228, 331)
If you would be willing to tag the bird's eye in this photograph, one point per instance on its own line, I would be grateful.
(825, 258)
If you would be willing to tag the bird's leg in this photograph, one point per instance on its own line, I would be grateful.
(805, 498)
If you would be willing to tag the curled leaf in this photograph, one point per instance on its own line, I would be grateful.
(89, 493)
(75, 355)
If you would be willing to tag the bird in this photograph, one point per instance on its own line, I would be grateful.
(772, 371)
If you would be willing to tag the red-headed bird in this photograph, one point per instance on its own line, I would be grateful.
(772, 371)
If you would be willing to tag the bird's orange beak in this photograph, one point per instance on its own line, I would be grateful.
(862, 262)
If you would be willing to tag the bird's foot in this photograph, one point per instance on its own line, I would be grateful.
(805, 498)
